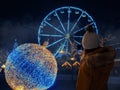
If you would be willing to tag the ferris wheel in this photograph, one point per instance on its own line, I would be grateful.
(63, 27)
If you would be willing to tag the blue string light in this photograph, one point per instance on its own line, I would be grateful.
(33, 66)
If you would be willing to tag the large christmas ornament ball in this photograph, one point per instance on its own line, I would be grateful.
(30, 67)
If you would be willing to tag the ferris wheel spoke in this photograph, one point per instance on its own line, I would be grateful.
(60, 21)
(60, 48)
(70, 41)
(79, 30)
(77, 42)
(67, 46)
(64, 44)
(54, 27)
(39, 37)
(39, 40)
(49, 35)
(76, 22)
(55, 42)
(68, 24)
(82, 28)
(77, 36)
(58, 51)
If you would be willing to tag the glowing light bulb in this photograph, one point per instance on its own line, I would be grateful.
(3, 66)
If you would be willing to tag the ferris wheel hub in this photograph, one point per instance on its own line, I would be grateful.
(67, 36)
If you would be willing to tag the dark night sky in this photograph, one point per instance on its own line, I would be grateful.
(21, 18)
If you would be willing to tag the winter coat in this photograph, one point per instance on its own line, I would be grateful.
(95, 67)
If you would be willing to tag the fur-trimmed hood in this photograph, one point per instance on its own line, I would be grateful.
(100, 57)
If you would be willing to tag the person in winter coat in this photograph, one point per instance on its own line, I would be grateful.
(95, 64)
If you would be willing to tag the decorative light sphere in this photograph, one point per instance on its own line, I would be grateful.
(30, 67)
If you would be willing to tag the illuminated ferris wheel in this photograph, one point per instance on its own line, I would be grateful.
(63, 27)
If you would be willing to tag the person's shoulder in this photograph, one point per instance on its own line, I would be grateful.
(108, 48)
(104, 49)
